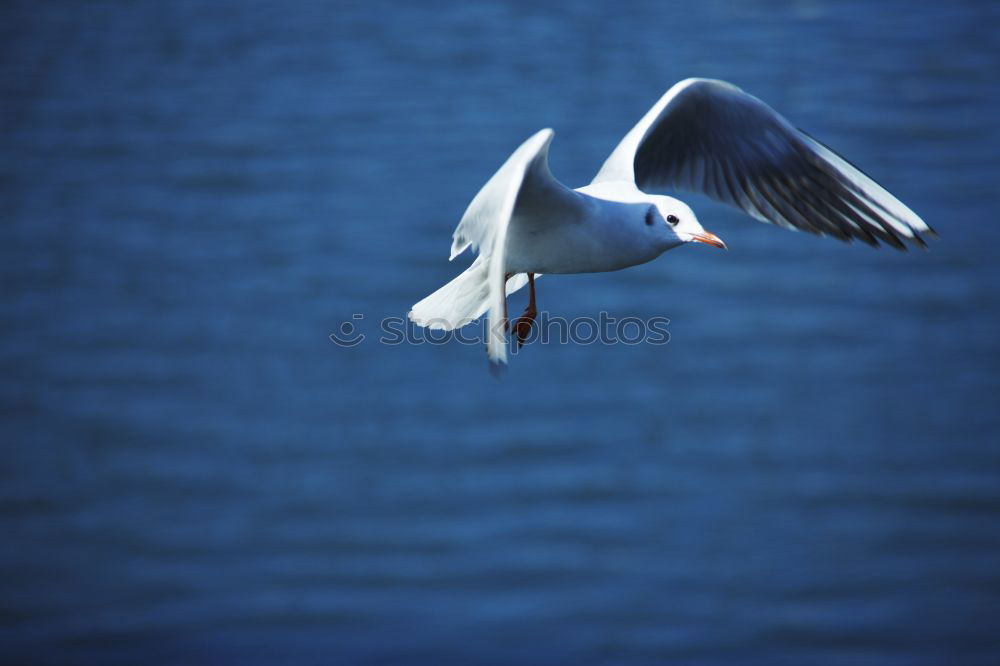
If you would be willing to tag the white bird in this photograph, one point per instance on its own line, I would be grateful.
(703, 135)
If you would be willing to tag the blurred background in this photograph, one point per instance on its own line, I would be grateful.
(196, 194)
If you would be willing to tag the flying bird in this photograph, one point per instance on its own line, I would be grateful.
(703, 135)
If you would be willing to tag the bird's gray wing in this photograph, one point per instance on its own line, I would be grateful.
(709, 136)
(522, 185)
(515, 194)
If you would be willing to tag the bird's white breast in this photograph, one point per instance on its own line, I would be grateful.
(601, 235)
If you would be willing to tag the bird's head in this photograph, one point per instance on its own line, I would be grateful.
(682, 222)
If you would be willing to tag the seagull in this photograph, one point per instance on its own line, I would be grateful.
(703, 135)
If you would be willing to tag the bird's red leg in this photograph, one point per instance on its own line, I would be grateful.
(522, 327)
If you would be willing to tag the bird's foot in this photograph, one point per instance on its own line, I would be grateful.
(522, 327)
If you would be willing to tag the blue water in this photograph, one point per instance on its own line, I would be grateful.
(196, 194)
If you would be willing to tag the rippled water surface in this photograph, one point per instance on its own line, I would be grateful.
(196, 194)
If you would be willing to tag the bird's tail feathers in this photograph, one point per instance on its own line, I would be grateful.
(464, 300)
(460, 302)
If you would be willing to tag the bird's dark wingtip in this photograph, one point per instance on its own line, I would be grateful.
(497, 370)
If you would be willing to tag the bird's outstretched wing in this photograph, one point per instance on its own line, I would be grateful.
(515, 194)
(709, 136)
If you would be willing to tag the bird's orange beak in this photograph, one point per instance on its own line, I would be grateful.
(708, 238)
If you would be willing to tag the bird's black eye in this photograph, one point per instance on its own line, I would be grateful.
(649, 217)
(673, 219)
